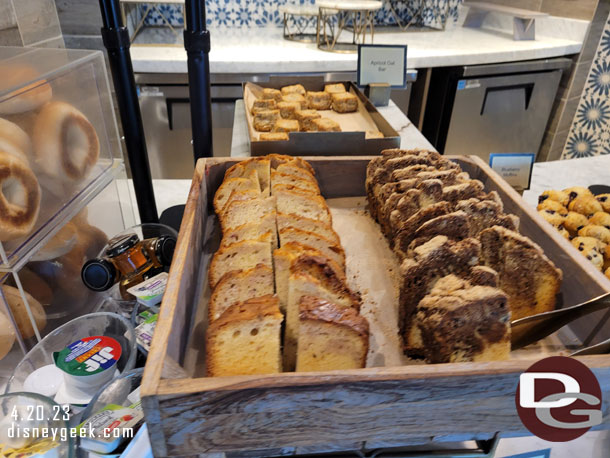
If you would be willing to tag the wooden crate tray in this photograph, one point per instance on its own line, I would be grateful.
(189, 415)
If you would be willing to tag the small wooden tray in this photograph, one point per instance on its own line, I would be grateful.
(351, 141)
(461, 401)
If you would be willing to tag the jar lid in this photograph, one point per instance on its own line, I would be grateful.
(121, 243)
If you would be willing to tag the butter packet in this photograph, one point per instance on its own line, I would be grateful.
(104, 431)
(145, 330)
(150, 292)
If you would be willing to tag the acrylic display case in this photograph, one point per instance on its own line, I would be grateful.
(47, 284)
(63, 190)
(58, 140)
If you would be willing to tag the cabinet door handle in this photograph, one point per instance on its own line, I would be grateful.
(528, 88)
(169, 104)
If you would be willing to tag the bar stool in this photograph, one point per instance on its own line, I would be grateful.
(335, 16)
(300, 22)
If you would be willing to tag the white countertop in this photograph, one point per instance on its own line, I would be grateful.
(263, 50)
(410, 136)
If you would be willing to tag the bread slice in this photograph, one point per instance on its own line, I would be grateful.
(327, 247)
(291, 253)
(302, 204)
(307, 224)
(262, 166)
(526, 275)
(278, 188)
(237, 286)
(228, 186)
(240, 256)
(431, 261)
(483, 333)
(330, 337)
(251, 231)
(293, 168)
(279, 159)
(246, 339)
(279, 178)
(312, 278)
(239, 212)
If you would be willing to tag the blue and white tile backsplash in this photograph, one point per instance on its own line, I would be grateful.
(264, 13)
(590, 131)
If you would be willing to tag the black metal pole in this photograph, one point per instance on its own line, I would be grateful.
(197, 45)
(116, 40)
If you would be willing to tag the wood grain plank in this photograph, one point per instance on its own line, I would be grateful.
(359, 411)
(169, 305)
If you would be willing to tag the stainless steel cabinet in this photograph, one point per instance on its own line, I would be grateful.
(500, 108)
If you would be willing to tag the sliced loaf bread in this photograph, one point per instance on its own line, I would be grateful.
(237, 286)
(307, 224)
(327, 247)
(240, 212)
(240, 256)
(246, 339)
(302, 204)
(331, 337)
(251, 231)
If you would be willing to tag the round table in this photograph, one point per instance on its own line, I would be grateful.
(335, 16)
(300, 22)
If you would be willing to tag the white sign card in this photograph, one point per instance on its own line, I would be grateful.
(382, 64)
(515, 168)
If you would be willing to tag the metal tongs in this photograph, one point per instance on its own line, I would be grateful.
(525, 331)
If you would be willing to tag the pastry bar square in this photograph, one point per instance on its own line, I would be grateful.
(273, 136)
(286, 125)
(265, 120)
(345, 102)
(373, 134)
(318, 100)
(288, 109)
(326, 125)
(305, 118)
(270, 93)
(334, 88)
(263, 104)
(294, 89)
(296, 98)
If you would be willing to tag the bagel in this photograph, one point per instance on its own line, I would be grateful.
(35, 285)
(20, 314)
(25, 98)
(19, 197)
(95, 239)
(7, 335)
(66, 146)
(61, 243)
(14, 140)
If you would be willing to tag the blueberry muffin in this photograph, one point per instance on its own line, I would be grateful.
(552, 217)
(577, 191)
(600, 219)
(558, 196)
(598, 232)
(591, 248)
(563, 231)
(604, 199)
(585, 205)
(574, 222)
(552, 206)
